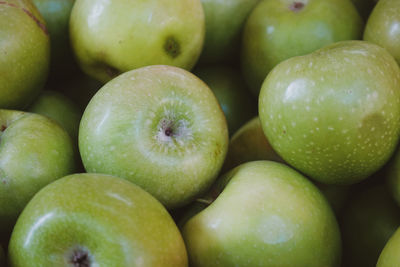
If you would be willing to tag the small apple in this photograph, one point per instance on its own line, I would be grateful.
(112, 37)
(25, 53)
(368, 221)
(249, 144)
(88, 220)
(34, 151)
(224, 23)
(60, 108)
(279, 29)
(231, 91)
(390, 256)
(161, 128)
(383, 26)
(266, 214)
(334, 114)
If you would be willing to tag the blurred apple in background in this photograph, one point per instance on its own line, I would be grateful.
(34, 151)
(112, 37)
(60, 108)
(232, 94)
(25, 53)
(161, 128)
(335, 113)
(383, 26)
(390, 256)
(95, 220)
(279, 29)
(266, 214)
(224, 24)
(368, 221)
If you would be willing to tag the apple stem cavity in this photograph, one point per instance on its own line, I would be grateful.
(171, 129)
(3, 128)
(296, 6)
(172, 47)
(80, 258)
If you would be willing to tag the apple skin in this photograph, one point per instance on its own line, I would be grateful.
(25, 50)
(56, 13)
(368, 221)
(159, 127)
(334, 114)
(383, 26)
(60, 108)
(276, 30)
(267, 214)
(222, 39)
(114, 221)
(34, 151)
(231, 91)
(139, 33)
(390, 256)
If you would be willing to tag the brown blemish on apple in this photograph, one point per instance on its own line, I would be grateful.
(296, 6)
(2, 128)
(172, 47)
(26, 11)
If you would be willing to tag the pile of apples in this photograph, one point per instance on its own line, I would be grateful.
(200, 133)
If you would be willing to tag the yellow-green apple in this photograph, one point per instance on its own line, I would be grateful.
(249, 144)
(25, 53)
(334, 114)
(368, 220)
(160, 127)
(264, 214)
(34, 151)
(88, 220)
(56, 13)
(112, 37)
(232, 93)
(279, 29)
(383, 26)
(224, 22)
(390, 256)
(60, 108)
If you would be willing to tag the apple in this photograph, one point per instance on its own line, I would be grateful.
(25, 51)
(112, 37)
(231, 92)
(383, 26)
(224, 23)
(249, 144)
(34, 151)
(60, 108)
(280, 29)
(390, 256)
(161, 128)
(56, 13)
(334, 114)
(89, 220)
(266, 214)
(368, 221)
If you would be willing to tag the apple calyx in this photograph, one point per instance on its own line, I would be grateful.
(296, 6)
(80, 258)
(171, 129)
(172, 47)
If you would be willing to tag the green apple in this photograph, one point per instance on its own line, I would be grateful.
(34, 151)
(112, 37)
(279, 29)
(25, 53)
(60, 108)
(383, 26)
(249, 144)
(161, 128)
(368, 221)
(56, 13)
(88, 220)
(390, 256)
(266, 214)
(224, 23)
(231, 92)
(334, 114)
